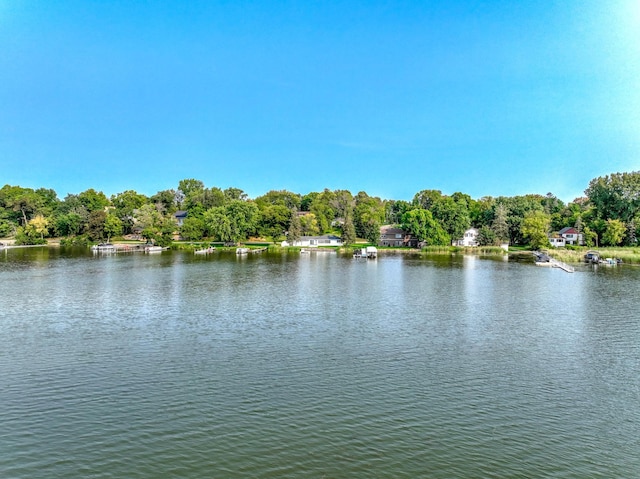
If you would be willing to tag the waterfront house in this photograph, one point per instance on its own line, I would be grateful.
(394, 236)
(315, 241)
(557, 241)
(571, 236)
(469, 238)
(180, 216)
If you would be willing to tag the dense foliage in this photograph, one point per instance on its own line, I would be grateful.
(608, 215)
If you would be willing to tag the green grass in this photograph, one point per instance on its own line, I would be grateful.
(629, 255)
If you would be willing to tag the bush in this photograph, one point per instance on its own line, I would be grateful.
(74, 241)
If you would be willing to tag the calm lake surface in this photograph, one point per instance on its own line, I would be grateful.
(287, 365)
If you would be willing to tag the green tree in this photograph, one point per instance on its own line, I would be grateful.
(189, 186)
(27, 235)
(193, 228)
(20, 204)
(112, 226)
(295, 228)
(274, 221)
(342, 203)
(518, 207)
(421, 224)
(125, 205)
(499, 225)
(93, 200)
(348, 230)
(235, 194)
(322, 209)
(426, 198)
(616, 196)
(535, 228)
(307, 201)
(68, 224)
(453, 215)
(369, 214)
(95, 226)
(590, 237)
(394, 211)
(218, 224)
(309, 225)
(167, 200)
(279, 198)
(614, 232)
(486, 236)
(244, 217)
(40, 225)
(150, 222)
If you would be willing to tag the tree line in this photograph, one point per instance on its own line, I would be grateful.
(608, 215)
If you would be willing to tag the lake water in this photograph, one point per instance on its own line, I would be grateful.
(287, 365)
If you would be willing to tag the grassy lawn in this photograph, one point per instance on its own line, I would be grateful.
(627, 255)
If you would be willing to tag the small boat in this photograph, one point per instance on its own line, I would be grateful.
(153, 249)
(103, 248)
(611, 261)
(205, 250)
(592, 256)
(242, 250)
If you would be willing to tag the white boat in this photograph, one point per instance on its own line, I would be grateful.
(205, 250)
(153, 249)
(242, 250)
(103, 248)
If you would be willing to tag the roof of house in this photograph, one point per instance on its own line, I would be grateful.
(569, 230)
(180, 214)
(391, 230)
(330, 237)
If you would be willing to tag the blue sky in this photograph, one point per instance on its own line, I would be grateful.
(389, 97)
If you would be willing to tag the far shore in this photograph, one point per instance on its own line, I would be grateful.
(628, 255)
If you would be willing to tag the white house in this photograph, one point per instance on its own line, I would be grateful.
(557, 241)
(470, 238)
(315, 241)
(571, 236)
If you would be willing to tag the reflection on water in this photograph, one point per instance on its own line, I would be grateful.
(287, 365)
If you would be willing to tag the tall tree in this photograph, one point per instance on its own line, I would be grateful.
(218, 224)
(616, 196)
(112, 226)
(279, 198)
(453, 215)
(499, 225)
(93, 200)
(535, 228)
(614, 232)
(125, 204)
(368, 216)
(421, 224)
(348, 230)
(274, 221)
(295, 228)
(426, 198)
(236, 194)
(309, 225)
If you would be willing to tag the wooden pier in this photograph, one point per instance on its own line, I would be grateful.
(543, 259)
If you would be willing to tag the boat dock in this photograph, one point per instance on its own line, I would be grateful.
(370, 252)
(543, 259)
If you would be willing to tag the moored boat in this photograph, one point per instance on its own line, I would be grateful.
(103, 248)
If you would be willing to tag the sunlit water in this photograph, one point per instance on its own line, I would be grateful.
(175, 365)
